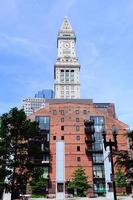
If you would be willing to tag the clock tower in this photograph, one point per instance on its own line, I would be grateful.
(67, 67)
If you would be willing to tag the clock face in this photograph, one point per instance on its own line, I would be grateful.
(66, 45)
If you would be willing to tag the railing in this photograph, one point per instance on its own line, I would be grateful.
(89, 127)
(90, 140)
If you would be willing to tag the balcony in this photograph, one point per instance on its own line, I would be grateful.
(89, 140)
(45, 161)
(89, 127)
(89, 123)
(38, 162)
(98, 162)
(89, 130)
(93, 150)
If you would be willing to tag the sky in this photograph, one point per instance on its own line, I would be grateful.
(104, 31)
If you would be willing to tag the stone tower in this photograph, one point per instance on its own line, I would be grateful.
(67, 67)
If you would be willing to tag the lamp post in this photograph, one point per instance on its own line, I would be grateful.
(111, 144)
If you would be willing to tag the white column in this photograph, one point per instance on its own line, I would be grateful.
(60, 170)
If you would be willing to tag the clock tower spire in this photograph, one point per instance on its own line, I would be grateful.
(67, 67)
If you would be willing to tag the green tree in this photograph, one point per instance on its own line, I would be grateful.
(39, 183)
(120, 179)
(79, 182)
(124, 159)
(15, 133)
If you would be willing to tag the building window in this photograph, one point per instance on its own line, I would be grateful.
(77, 119)
(62, 119)
(44, 122)
(98, 171)
(67, 87)
(72, 75)
(54, 137)
(62, 128)
(98, 136)
(77, 128)
(54, 112)
(98, 158)
(98, 120)
(78, 148)
(78, 159)
(62, 92)
(72, 87)
(67, 75)
(77, 137)
(62, 76)
(97, 146)
(62, 112)
(77, 111)
(62, 137)
(84, 112)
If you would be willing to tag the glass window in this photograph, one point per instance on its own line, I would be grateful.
(67, 87)
(97, 146)
(77, 119)
(72, 87)
(77, 128)
(62, 76)
(62, 137)
(84, 112)
(62, 128)
(59, 187)
(78, 159)
(72, 75)
(98, 128)
(44, 122)
(62, 92)
(62, 119)
(78, 148)
(78, 137)
(54, 137)
(62, 112)
(67, 75)
(98, 158)
(98, 136)
(54, 112)
(98, 171)
(98, 120)
(45, 157)
(77, 111)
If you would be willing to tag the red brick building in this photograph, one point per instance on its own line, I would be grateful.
(65, 120)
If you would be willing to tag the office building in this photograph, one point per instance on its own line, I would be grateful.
(46, 94)
(30, 105)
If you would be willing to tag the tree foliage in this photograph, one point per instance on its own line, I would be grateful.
(79, 182)
(38, 183)
(120, 179)
(124, 159)
(15, 132)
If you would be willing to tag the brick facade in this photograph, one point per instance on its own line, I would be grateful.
(67, 123)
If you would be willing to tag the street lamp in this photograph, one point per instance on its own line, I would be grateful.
(111, 144)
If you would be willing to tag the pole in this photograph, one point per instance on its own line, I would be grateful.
(112, 167)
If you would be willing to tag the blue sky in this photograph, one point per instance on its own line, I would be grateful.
(104, 30)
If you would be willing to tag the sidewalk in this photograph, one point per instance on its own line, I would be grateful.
(86, 198)
(103, 198)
